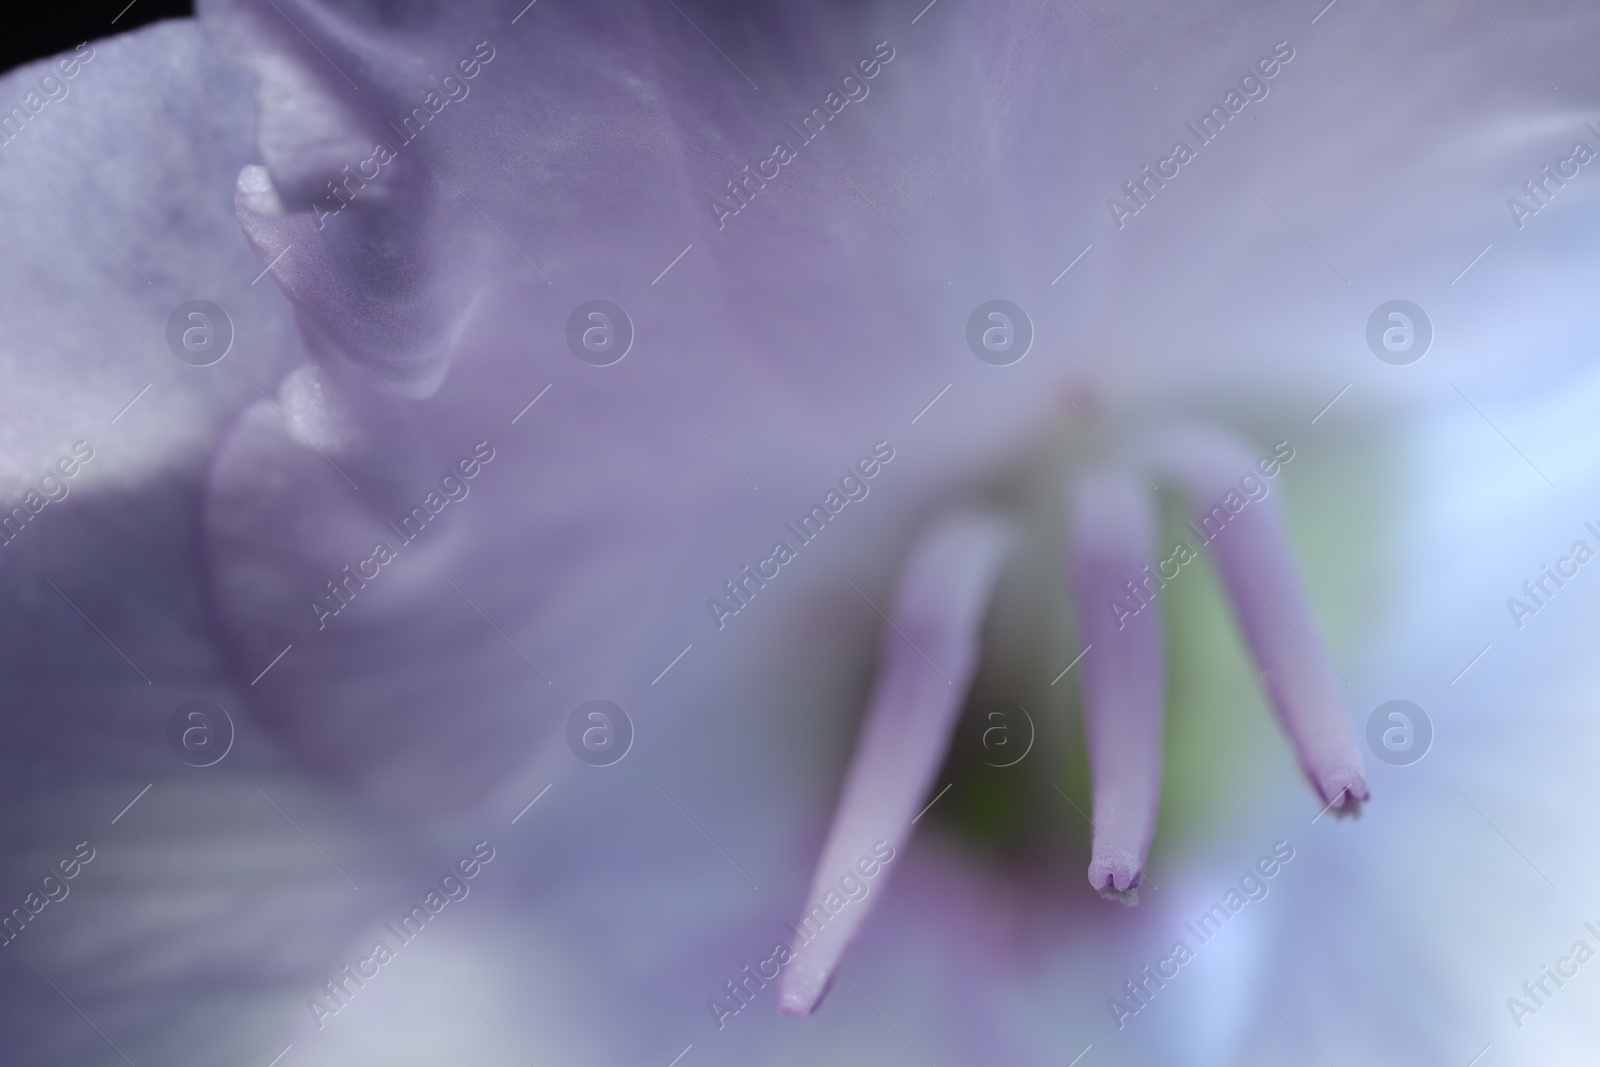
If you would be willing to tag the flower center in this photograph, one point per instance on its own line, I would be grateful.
(1124, 584)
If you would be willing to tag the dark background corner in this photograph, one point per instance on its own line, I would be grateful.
(43, 29)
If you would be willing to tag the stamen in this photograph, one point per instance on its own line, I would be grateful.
(1118, 608)
(929, 653)
(1244, 528)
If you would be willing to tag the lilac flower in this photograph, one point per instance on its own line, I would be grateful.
(422, 513)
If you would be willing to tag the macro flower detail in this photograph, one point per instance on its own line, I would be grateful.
(840, 495)
(931, 643)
